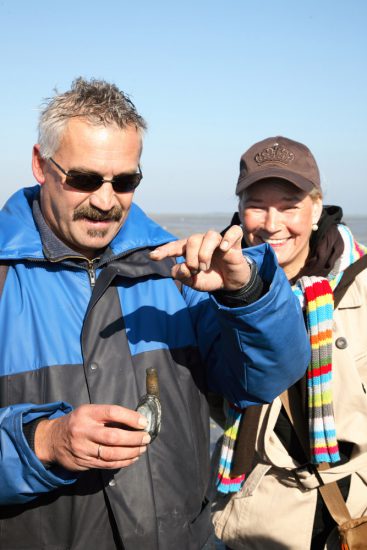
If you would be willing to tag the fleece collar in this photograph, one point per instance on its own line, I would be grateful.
(24, 237)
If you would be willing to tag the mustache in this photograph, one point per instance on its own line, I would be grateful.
(92, 213)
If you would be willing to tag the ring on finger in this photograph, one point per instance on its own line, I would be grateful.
(99, 456)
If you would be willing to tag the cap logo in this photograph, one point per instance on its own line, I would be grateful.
(276, 153)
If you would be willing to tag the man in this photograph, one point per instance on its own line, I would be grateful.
(88, 303)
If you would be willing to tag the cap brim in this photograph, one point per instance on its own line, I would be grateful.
(274, 172)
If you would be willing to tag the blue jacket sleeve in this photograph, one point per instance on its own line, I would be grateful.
(253, 353)
(22, 476)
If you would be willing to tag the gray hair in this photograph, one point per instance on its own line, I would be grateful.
(241, 204)
(97, 101)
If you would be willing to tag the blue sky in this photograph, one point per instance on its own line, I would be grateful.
(210, 77)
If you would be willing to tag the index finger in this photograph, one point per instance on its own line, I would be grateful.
(169, 250)
(232, 238)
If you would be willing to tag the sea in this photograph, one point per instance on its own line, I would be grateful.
(183, 225)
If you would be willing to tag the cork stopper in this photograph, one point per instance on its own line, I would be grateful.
(152, 381)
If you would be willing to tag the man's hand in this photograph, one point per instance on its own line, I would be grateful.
(92, 436)
(211, 261)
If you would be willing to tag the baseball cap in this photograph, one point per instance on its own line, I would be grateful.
(279, 157)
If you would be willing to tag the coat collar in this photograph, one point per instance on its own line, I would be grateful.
(24, 237)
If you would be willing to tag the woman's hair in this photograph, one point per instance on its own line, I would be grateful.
(315, 194)
(97, 101)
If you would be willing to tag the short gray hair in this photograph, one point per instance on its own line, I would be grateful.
(241, 204)
(97, 101)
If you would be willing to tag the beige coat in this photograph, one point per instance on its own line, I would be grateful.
(272, 512)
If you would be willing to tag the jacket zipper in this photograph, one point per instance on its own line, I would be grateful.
(90, 269)
(91, 273)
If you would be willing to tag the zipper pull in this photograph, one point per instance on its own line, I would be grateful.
(92, 274)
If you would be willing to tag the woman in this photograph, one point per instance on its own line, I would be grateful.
(276, 503)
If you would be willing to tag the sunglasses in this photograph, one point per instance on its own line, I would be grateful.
(84, 181)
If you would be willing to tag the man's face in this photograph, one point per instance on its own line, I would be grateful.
(87, 221)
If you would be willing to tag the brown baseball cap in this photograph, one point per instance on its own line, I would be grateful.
(279, 157)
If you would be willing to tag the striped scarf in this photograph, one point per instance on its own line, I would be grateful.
(316, 297)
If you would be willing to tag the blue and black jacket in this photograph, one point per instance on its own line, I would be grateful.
(75, 331)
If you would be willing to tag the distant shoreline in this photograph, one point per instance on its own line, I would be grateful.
(222, 214)
(184, 224)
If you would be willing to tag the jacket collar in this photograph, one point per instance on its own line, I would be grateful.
(53, 248)
(25, 235)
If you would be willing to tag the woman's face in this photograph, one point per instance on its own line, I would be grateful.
(278, 213)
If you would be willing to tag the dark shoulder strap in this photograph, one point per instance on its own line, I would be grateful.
(348, 277)
(330, 492)
(3, 272)
(245, 445)
(291, 402)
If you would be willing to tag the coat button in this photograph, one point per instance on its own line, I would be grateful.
(112, 483)
(341, 343)
(93, 366)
